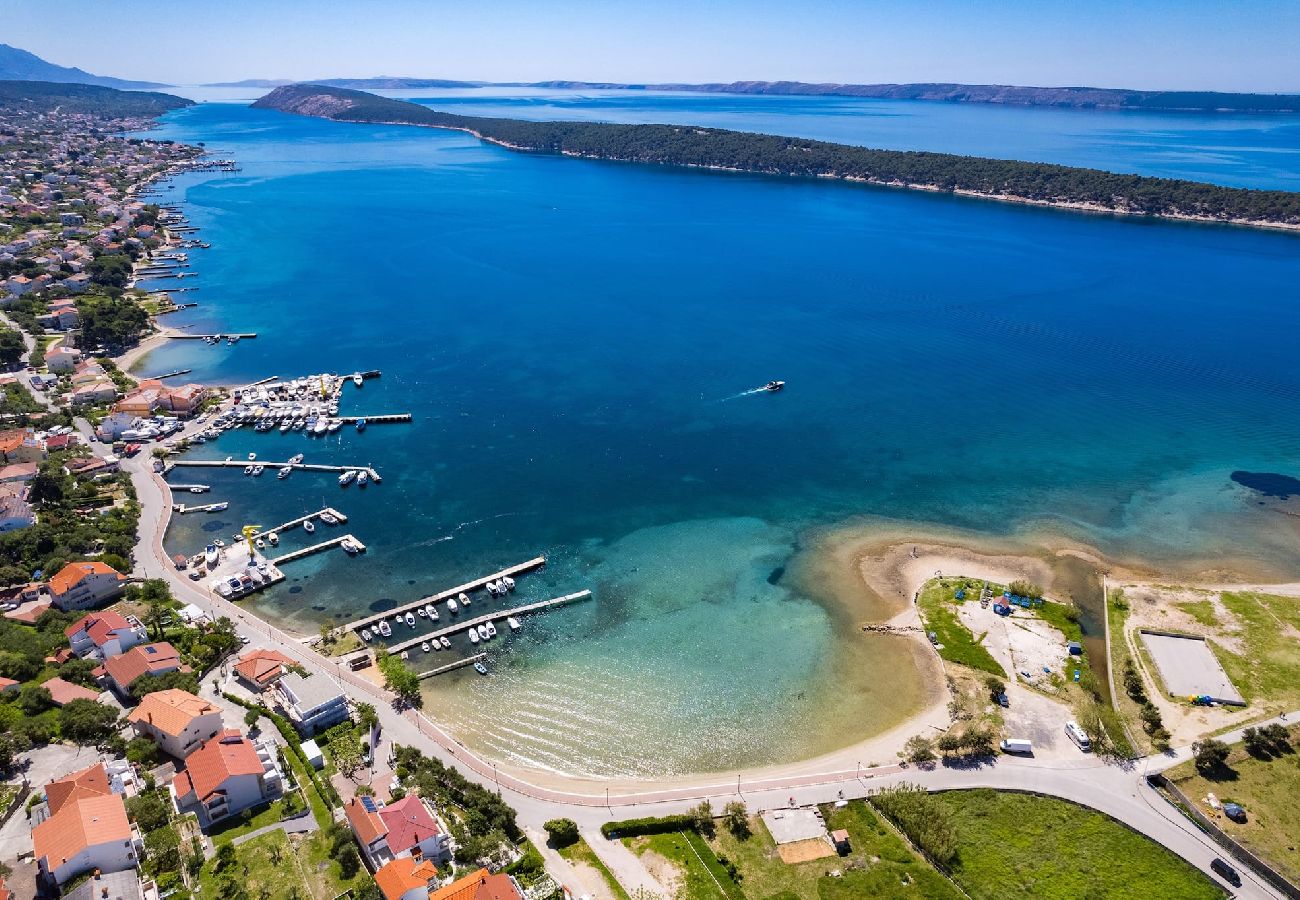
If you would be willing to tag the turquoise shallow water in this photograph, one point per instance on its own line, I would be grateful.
(573, 339)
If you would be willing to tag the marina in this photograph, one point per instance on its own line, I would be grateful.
(492, 617)
(319, 548)
(449, 594)
(240, 464)
(339, 518)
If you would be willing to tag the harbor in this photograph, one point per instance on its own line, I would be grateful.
(494, 616)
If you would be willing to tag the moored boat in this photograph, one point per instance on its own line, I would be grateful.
(358, 380)
(248, 470)
(513, 623)
(385, 629)
(284, 472)
(258, 469)
(446, 644)
(451, 606)
(410, 620)
(346, 478)
(361, 424)
(491, 630)
(509, 582)
(473, 636)
(430, 611)
(421, 613)
(482, 632)
(425, 646)
(362, 478)
(480, 668)
(366, 635)
(309, 526)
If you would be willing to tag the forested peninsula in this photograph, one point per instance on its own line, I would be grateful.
(763, 154)
(84, 99)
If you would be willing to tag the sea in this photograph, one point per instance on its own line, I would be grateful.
(579, 344)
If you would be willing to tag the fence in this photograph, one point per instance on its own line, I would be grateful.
(1250, 860)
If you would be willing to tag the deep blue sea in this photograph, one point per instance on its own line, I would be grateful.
(574, 340)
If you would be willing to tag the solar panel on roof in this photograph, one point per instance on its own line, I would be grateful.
(368, 804)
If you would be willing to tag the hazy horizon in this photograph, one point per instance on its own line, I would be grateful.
(1147, 44)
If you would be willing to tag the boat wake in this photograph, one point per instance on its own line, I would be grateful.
(769, 388)
(462, 526)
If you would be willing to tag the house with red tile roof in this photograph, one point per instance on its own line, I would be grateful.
(177, 721)
(18, 472)
(20, 445)
(87, 829)
(149, 659)
(406, 879)
(64, 692)
(104, 634)
(404, 828)
(225, 776)
(479, 886)
(82, 585)
(9, 685)
(259, 669)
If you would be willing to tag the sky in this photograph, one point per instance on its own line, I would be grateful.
(1247, 45)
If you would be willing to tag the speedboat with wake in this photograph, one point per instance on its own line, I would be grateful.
(774, 386)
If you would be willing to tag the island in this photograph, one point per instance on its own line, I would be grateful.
(20, 97)
(1046, 184)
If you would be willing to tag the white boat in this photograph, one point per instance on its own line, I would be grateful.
(431, 611)
(510, 583)
(451, 606)
(446, 644)
(473, 636)
(260, 544)
(321, 426)
(252, 456)
(274, 539)
(491, 588)
(421, 613)
(196, 490)
(404, 655)
(397, 619)
(285, 426)
(410, 620)
(358, 380)
(366, 635)
(385, 629)
(309, 526)
(425, 646)
(295, 459)
(464, 599)
(222, 588)
(328, 518)
(513, 623)
(346, 478)
(482, 632)
(480, 668)
(334, 424)
(491, 630)
(436, 645)
(219, 542)
(218, 507)
(258, 469)
(211, 556)
(362, 477)
(284, 472)
(248, 470)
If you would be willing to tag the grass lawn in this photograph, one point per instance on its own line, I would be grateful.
(581, 854)
(937, 607)
(1267, 788)
(697, 881)
(1019, 845)
(1269, 670)
(880, 864)
(287, 869)
(234, 827)
(1126, 708)
(1202, 611)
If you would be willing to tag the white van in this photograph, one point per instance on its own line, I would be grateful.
(1017, 745)
(1079, 736)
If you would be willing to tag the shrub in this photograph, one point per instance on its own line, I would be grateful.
(563, 832)
(918, 749)
(648, 825)
(924, 820)
(1210, 755)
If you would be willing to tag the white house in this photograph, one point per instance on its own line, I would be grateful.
(104, 634)
(312, 704)
(225, 776)
(85, 584)
(177, 721)
(87, 829)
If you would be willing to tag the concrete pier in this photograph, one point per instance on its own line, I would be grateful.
(383, 419)
(467, 587)
(317, 548)
(241, 463)
(458, 664)
(493, 616)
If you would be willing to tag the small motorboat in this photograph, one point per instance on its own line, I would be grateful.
(430, 611)
(252, 456)
(218, 507)
(196, 490)
(284, 472)
(273, 539)
(260, 544)
(404, 655)
(509, 582)
(346, 478)
(482, 632)
(334, 424)
(361, 424)
(446, 644)
(436, 645)
(425, 646)
(480, 668)
(248, 470)
(295, 459)
(473, 636)
(410, 620)
(464, 599)
(350, 547)
(358, 380)
(285, 426)
(774, 386)
(362, 478)
(397, 619)
(309, 526)
(211, 556)
(366, 635)
(513, 623)
(219, 542)
(328, 518)
(321, 425)
(492, 588)
(385, 630)
(421, 613)
(452, 606)
(258, 469)
(491, 630)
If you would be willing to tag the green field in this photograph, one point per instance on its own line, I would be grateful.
(937, 606)
(880, 864)
(1267, 788)
(582, 854)
(1269, 669)
(1019, 845)
(696, 865)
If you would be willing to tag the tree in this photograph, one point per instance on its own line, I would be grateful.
(1210, 756)
(226, 858)
(147, 684)
(34, 699)
(563, 832)
(348, 860)
(995, 686)
(79, 671)
(142, 752)
(737, 819)
(149, 810)
(366, 716)
(12, 347)
(703, 816)
(87, 722)
(919, 749)
(399, 678)
(251, 717)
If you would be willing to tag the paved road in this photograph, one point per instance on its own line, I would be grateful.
(1118, 792)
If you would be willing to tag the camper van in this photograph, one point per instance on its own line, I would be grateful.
(1017, 745)
(1079, 736)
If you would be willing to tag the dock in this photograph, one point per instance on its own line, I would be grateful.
(241, 463)
(174, 374)
(376, 420)
(207, 507)
(190, 487)
(199, 337)
(494, 616)
(476, 584)
(317, 548)
(458, 664)
(294, 523)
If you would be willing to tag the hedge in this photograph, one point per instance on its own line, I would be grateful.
(634, 827)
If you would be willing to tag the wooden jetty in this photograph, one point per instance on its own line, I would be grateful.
(294, 523)
(308, 467)
(317, 548)
(199, 337)
(493, 616)
(376, 420)
(476, 584)
(458, 664)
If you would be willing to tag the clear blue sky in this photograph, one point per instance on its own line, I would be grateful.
(1195, 44)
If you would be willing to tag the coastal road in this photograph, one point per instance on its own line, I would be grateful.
(1119, 792)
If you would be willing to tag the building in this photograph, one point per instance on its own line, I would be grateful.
(15, 512)
(64, 692)
(62, 359)
(177, 721)
(148, 659)
(87, 829)
(104, 634)
(225, 776)
(312, 704)
(479, 886)
(259, 669)
(85, 584)
(404, 828)
(124, 885)
(20, 445)
(15, 473)
(9, 685)
(407, 879)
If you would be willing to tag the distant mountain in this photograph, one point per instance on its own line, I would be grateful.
(19, 65)
(1012, 95)
(91, 99)
(251, 82)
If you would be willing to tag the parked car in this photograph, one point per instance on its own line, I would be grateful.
(1002, 700)
(1234, 812)
(1226, 872)
(1017, 745)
